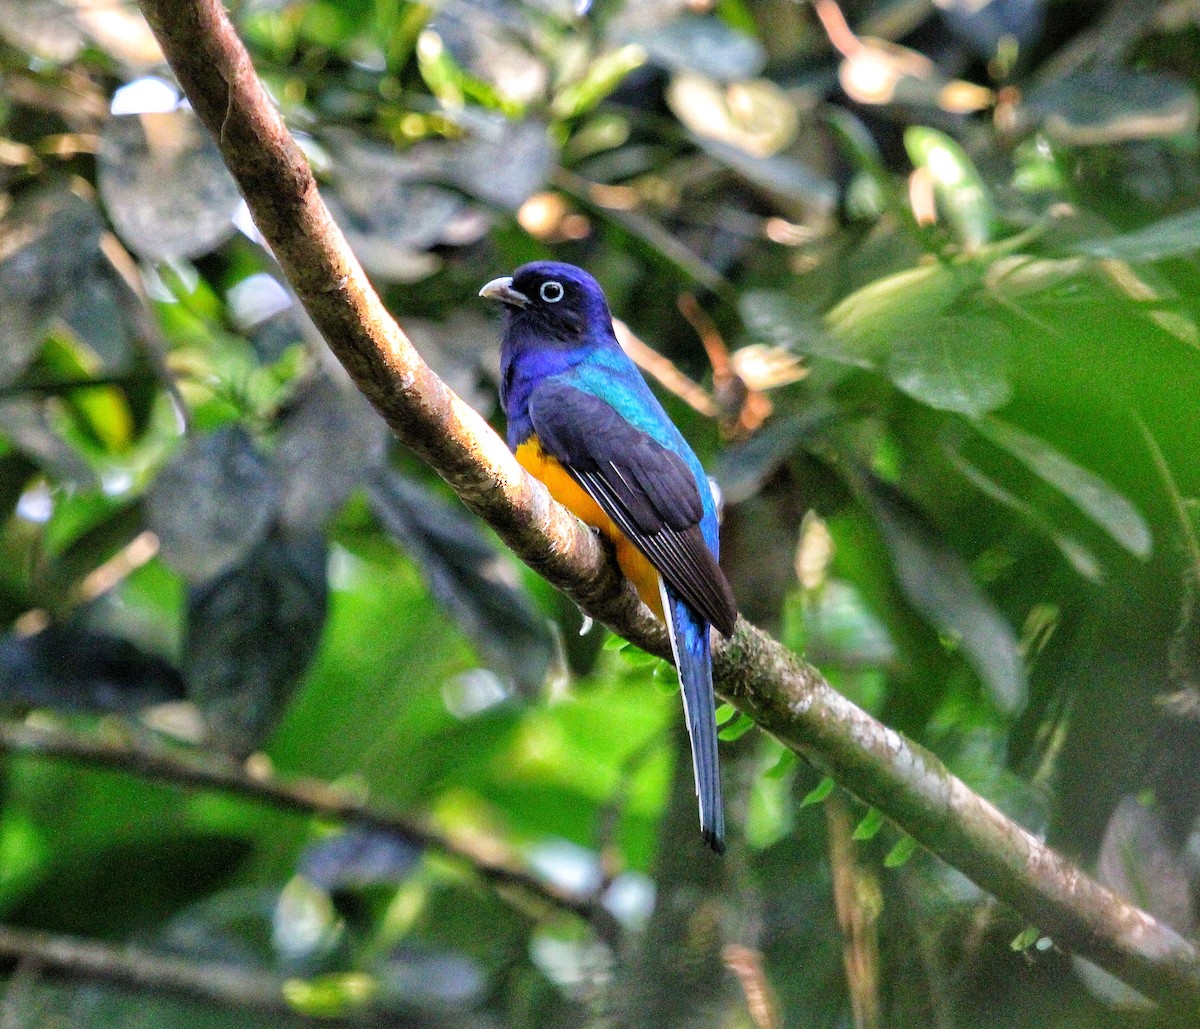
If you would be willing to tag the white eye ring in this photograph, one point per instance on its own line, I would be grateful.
(552, 292)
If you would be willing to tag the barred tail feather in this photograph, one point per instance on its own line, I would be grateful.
(693, 658)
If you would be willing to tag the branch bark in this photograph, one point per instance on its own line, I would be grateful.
(306, 796)
(784, 695)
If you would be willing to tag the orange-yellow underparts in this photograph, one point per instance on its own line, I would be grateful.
(575, 499)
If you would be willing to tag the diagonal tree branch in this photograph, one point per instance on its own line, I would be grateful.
(784, 695)
(306, 796)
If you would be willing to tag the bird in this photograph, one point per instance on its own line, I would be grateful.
(583, 421)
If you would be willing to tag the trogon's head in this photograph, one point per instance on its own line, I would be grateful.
(555, 304)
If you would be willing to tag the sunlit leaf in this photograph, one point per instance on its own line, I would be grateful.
(468, 576)
(603, 75)
(901, 853)
(787, 761)
(961, 193)
(740, 726)
(251, 633)
(1094, 497)
(755, 117)
(869, 827)
(953, 364)
(333, 995)
(818, 793)
(906, 302)
(938, 584)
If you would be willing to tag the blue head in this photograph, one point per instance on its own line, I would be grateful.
(555, 316)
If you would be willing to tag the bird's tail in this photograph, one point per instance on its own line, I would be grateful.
(693, 658)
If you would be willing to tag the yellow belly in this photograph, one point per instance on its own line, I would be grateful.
(575, 499)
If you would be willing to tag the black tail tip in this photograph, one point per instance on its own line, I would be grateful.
(714, 839)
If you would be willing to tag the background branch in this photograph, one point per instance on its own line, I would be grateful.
(307, 796)
(786, 696)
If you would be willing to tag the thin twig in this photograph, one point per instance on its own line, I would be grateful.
(198, 770)
(664, 371)
(855, 895)
(784, 695)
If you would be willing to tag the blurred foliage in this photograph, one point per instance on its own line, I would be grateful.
(952, 247)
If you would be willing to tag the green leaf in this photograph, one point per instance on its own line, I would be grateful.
(901, 853)
(333, 995)
(1091, 494)
(603, 75)
(953, 364)
(869, 319)
(869, 827)
(725, 712)
(960, 190)
(614, 643)
(1025, 939)
(1108, 104)
(781, 320)
(818, 793)
(738, 729)
(939, 585)
(1170, 237)
(212, 504)
(635, 657)
(251, 634)
(787, 761)
(469, 577)
(1077, 555)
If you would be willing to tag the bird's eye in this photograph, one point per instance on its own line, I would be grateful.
(552, 292)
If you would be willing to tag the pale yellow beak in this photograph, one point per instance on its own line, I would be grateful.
(501, 289)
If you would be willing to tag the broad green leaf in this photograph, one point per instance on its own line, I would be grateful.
(960, 191)
(868, 319)
(953, 364)
(787, 761)
(1091, 494)
(939, 585)
(470, 578)
(781, 320)
(1025, 939)
(251, 633)
(1079, 557)
(212, 504)
(1170, 237)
